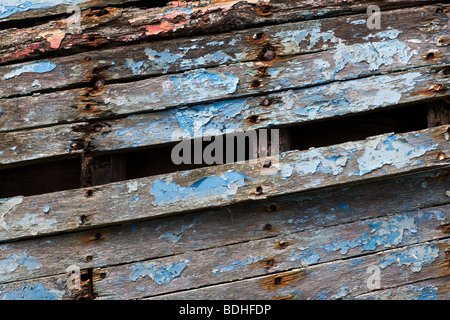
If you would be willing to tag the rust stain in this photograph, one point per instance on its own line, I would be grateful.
(95, 237)
(431, 56)
(263, 9)
(443, 41)
(282, 244)
(288, 297)
(281, 280)
(434, 89)
(266, 264)
(445, 228)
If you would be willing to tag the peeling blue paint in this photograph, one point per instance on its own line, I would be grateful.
(225, 185)
(37, 67)
(202, 82)
(47, 208)
(159, 274)
(373, 54)
(15, 260)
(389, 232)
(134, 66)
(384, 150)
(236, 264)
(10, 7)
(415, 257)
(305, 257)
(33, 292)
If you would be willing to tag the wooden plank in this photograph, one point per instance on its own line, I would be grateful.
(434, 289)
(178, 55)
(281, 217)
(342, 279)
(205, 85)
(217, 118)
(294, 171)
(256, 258)
(180, 19)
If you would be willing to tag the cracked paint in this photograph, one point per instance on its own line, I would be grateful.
(159, 274)
(416, 257)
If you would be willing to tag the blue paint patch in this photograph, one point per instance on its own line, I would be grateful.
(415, 256)
(163, 56)
(36, 67)
(15, 260)
(223, 186)
(33, 292)
(236, 264)
(134, 66)
(390, 232)
(160, 275)
(10, 7)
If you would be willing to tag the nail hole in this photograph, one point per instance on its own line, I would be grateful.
(76, 146)
(266, 102)
(277, 281)
(83, 219)
(89, 193)
(273, 207)
(87, 58)
(431, 56)
(270, 263)
(91, 37)
(282, 244)
(267, 53)
(88, 107)
(256, 83)
(102, 275)
(98, 236)
(439, 10)
(253, 119)
(89, 258)
(259, 190)
(446, 71)
(258, 36)
(267, 164)
(267, 226)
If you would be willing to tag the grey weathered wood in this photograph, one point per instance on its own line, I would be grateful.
(132, 24)
(291, 107)
(183, 54)
(250, 259)
(218, 227)
(342, 279)
(294, 171)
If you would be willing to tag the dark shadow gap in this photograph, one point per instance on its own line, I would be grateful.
(65, 174)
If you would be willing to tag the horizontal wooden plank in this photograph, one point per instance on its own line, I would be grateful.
(260, 257)
(218, 227)
(434, 289)
(294, 171)
(232, 81)
(125, 25)
(183, 54)
(341, 279)
(223, 117)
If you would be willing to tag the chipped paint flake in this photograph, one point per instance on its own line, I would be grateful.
(15, 260)
(389, 232)
(159, 274)
(10, 7)
(415, 257)
(202, 191)
(6, 207)
(388, 149)
(36, 67)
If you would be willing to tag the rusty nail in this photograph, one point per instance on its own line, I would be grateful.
(256, 83)
(277, 281)
(75, 146)
(87, 58)
(258, 35)
(89, 193)
(98, 128)
(447, 193)
(282, 243)
(441, 156)
(265, 102)
(83, 219)
(88, 107)
(89, 258)
(99, 84)
(267, 226)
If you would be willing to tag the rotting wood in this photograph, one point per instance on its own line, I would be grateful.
(296, 214)
(341, 279)
(179, 55)
(294, 171)
(127, 25)
(278, 109)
